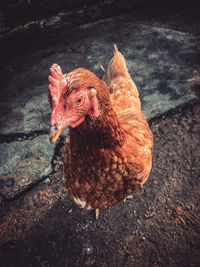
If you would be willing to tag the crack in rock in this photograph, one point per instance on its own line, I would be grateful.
(13, 137)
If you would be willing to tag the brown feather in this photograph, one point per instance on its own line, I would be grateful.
(108, 157)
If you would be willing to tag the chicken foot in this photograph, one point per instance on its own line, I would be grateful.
(97, 213)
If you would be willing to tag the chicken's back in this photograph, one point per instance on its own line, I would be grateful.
(124, 94)
(127, 106)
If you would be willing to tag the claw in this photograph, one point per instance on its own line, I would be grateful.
(97, 213)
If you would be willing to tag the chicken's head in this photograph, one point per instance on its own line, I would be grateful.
(71, 100)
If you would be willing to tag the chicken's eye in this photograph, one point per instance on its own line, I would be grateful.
(79, 101)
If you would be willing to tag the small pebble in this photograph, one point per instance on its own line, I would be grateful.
(56, 168)
(46, 181)
(89, 262)
(87, 249)
(10, 182)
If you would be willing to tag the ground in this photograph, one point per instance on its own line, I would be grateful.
(156, 226)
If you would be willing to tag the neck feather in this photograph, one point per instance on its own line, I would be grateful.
(103, 132)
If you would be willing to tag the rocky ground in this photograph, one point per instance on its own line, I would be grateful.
(159, 224)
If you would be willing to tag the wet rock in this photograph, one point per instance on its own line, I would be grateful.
(23, 164)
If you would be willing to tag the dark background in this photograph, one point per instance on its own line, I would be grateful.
(15, 12)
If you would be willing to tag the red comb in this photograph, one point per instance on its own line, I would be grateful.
(58, 83)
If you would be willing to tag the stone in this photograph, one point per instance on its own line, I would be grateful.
(24, 163)
(87, 249)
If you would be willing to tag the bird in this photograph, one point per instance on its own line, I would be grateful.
(109, 146)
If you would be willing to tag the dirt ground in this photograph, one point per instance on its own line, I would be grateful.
(156, 226)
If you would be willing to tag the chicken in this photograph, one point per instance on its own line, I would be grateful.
(108, 150)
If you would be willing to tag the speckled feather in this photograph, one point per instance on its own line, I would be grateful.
(109, 157)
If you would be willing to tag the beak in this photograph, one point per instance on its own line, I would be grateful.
(55, 132)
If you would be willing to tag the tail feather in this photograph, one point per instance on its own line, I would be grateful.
(116, 67)
(124, 93)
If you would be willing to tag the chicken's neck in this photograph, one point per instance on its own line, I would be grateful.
(103, 132)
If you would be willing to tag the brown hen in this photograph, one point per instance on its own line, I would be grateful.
(108, 150)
